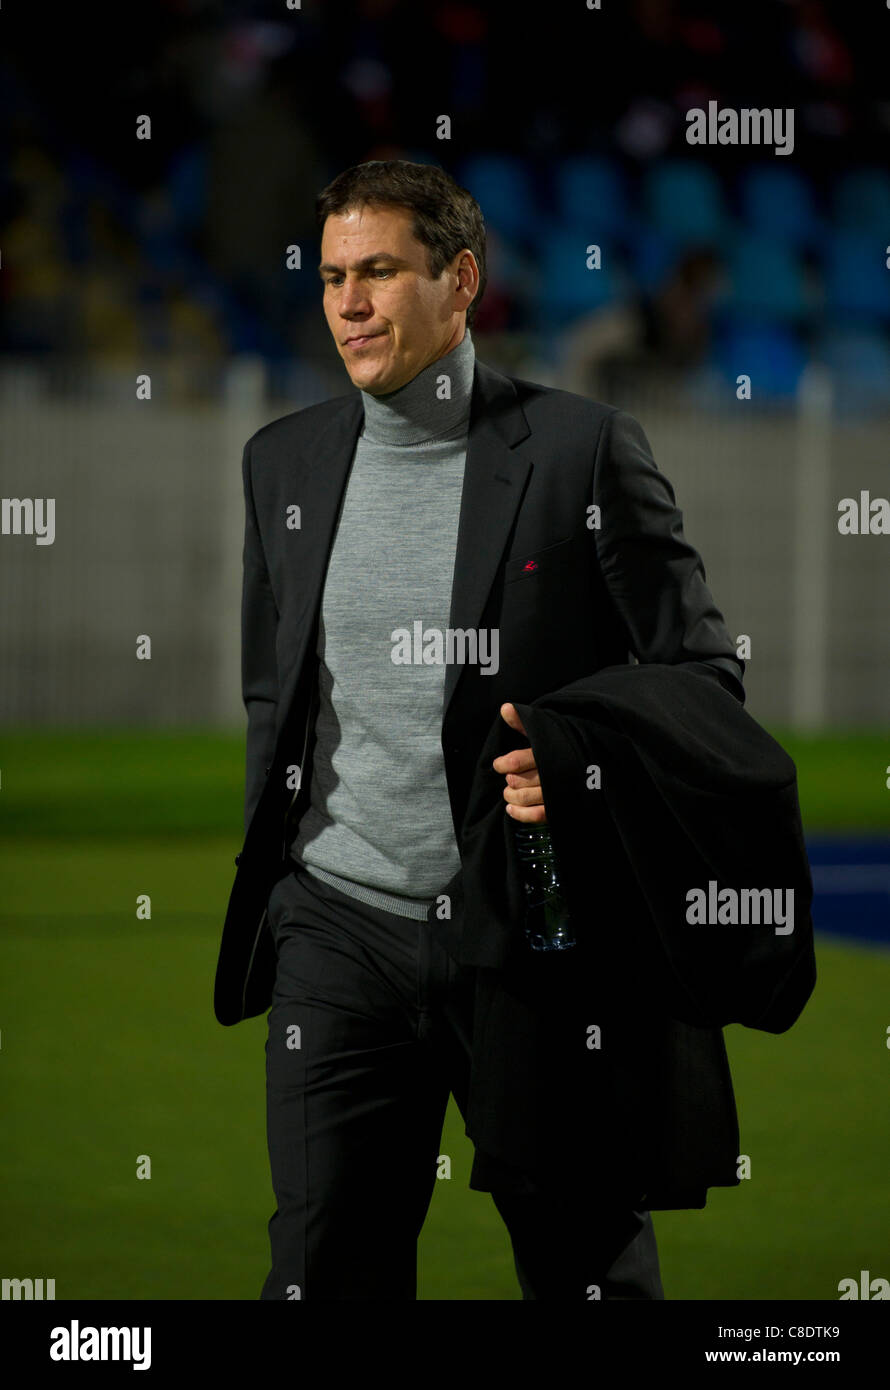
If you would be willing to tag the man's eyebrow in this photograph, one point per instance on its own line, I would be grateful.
(364, 264)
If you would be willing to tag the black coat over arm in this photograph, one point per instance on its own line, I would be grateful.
(609, 1057)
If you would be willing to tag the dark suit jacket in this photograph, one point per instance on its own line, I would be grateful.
(569, 599)
(537, 460)
(692, 791)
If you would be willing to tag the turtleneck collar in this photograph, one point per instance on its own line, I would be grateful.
(414, 414)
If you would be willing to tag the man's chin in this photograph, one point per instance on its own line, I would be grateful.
(375, 383)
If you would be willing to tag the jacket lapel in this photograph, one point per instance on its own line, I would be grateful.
(325, 488)
(494, 478)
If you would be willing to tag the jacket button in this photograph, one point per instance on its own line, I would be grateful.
(268, 769)
(237, 860)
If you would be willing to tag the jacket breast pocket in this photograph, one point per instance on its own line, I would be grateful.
(537, 565)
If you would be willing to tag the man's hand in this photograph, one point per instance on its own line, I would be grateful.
(523, 793)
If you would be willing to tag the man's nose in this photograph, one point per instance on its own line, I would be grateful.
(353, 299)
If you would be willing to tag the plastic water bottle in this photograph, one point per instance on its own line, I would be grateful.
(547, 924)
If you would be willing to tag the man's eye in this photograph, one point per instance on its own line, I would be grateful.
(335, 279)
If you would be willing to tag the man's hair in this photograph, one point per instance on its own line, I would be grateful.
(447, 218)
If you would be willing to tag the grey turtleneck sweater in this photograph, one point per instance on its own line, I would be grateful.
(378, 825)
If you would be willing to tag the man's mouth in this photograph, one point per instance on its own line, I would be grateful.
(360, 342)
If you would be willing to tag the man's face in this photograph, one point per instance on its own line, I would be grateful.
(377, 284)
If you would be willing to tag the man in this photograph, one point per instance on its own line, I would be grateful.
(417, 557)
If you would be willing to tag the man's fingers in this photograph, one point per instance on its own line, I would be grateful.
(532, 815)
(517, 760)
(528, 779)
(524, 796)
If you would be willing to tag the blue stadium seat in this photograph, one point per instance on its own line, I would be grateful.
(857, 282)
(187, 185)
(862, 202)
(590, 194)
(778, 202)
(859, 362)
(566, 289)
(685, 200)
(154, 226)
(771, 355)
(74, 229)
(654, 255)
(767, 282)
(504, 189)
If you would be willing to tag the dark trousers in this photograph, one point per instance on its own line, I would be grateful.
(369, 1032)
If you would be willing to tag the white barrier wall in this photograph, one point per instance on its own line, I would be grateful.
(148, 535)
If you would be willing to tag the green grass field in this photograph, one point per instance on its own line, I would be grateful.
(109, 1050)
